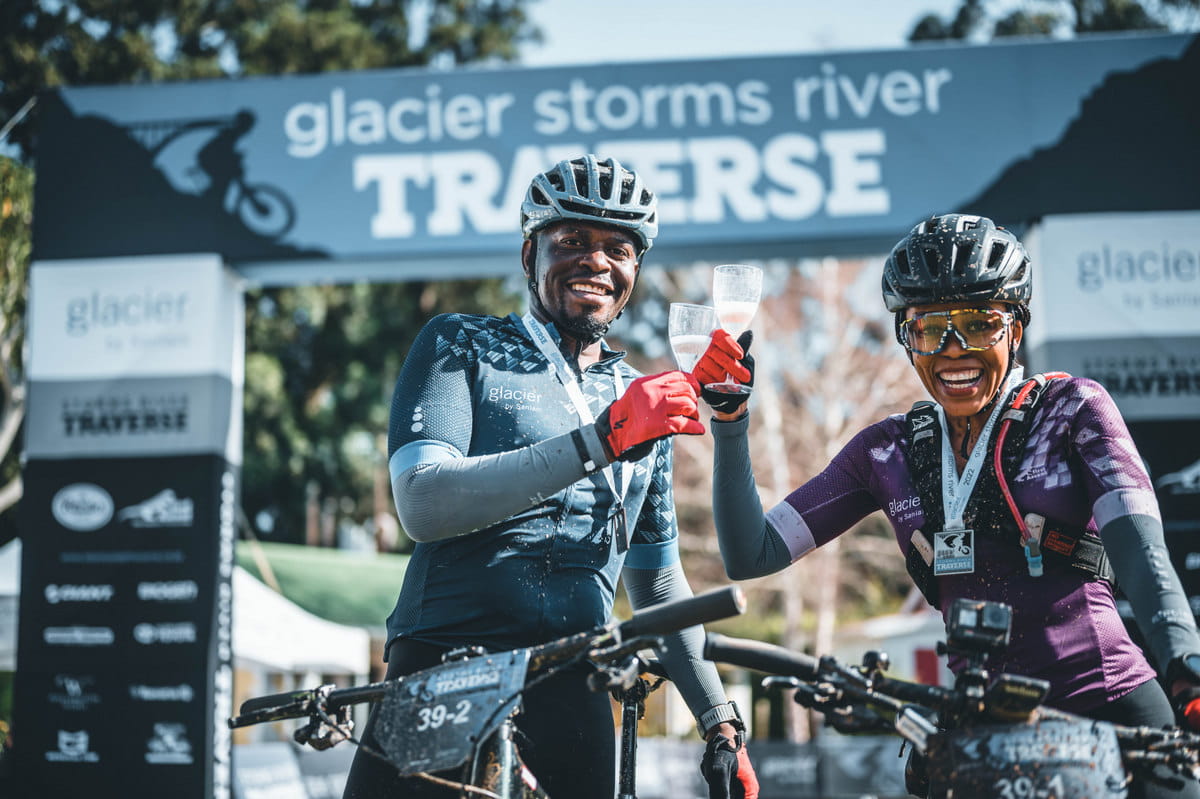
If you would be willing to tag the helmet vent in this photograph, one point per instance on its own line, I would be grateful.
(962, 258)
(902, 264)
(539, 196)
(556, 180)
(605, 213)
(933, 259)
(996, 256)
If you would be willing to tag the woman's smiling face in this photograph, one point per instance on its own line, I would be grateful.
(962, 381)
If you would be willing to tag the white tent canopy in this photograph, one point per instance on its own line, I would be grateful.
(269, 631)
(273, 632)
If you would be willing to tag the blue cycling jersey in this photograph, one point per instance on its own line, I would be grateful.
(478, 385)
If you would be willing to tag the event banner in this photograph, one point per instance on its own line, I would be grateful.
(420, 174)
(1117, 299)
(133, 440)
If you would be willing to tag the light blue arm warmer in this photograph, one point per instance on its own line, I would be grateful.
(682, 652)
(440, 493)
(749, 545)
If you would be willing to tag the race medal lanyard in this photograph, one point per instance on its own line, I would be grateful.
(954, 546)
(566, 376)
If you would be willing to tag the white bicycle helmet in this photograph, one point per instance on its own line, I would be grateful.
(586, 189)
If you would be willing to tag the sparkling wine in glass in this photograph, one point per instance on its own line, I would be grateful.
(690, 328)
(736, 291)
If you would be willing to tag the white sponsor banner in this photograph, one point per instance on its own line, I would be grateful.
(1100, 276)
(131, 317)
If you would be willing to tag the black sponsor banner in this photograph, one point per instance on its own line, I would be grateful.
(124, 671)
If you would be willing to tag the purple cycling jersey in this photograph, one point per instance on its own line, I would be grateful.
(1079, 468)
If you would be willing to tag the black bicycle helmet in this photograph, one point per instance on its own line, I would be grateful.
(585, 188)
(958, 258)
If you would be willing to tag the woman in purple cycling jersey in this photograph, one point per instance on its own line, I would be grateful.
(1070, 509)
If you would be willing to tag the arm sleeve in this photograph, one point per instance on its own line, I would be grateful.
(1126, 512)
(682, 652)
(750, 546)
(1139, 558)
(440, 493)
(439, 490)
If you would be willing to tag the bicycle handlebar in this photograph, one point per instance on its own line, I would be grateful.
(659, 619)
(760, 656)
(670, 617)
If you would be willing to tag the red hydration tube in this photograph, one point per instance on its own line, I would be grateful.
(997, 462)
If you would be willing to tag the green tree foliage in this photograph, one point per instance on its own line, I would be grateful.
(982, 20)
(45, 44)
(320, 360)
(16, 205)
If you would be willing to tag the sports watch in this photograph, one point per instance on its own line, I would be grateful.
(724, 713)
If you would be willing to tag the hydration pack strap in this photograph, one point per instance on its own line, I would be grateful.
(1062, 546)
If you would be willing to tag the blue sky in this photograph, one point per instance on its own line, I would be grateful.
(577, 32)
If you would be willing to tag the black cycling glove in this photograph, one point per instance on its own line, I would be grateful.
(726, 402)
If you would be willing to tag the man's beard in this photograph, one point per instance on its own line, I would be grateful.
(583, 329)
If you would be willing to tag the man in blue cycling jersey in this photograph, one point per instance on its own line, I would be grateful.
(532, 467)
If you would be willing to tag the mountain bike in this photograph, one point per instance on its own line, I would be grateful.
(988, 735)
(458, 715)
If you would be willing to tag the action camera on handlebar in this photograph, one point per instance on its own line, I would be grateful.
(977, 629)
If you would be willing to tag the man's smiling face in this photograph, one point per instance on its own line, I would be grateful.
(584, 274)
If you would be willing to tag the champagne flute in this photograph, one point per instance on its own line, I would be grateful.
(690, 328)
(736, 292)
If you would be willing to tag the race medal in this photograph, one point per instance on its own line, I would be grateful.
(953, 552)
(618, 526)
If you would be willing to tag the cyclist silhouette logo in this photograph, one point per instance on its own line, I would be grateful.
(264, 209)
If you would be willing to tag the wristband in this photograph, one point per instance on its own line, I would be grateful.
(589, 465)
(724, 713)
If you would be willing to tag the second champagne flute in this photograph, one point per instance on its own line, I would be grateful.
(689, 328)
(736, 291)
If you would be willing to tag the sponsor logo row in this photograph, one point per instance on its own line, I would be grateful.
(161, 591)
(167, 744)
(78, 692)
(145, 633)
(86, 506)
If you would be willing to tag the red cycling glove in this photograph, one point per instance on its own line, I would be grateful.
(653, 407)
(723, 357)
(728, 771)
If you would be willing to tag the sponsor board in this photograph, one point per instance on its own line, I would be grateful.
(1150, 378)
(144, 416)
(131, 317)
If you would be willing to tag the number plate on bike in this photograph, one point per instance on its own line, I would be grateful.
(432, 720)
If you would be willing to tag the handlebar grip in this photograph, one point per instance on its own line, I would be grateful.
(671, 617)
(274, 701)
(934, 697)
(760, 657)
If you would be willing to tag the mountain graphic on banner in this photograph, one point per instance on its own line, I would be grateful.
(229, 214)
(1113, 151)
